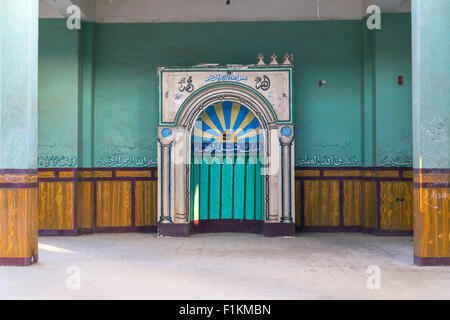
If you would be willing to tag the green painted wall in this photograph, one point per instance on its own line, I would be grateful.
(393, 102)
(120, 107)
(127, 56)
(58, 94)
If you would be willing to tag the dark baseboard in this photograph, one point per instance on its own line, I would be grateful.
(439, 261)
(279, 229)
(57, 233)
(226, 225)
(19, 261)
(173, 229)
(328, 229)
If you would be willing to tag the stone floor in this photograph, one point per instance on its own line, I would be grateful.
(223, 266)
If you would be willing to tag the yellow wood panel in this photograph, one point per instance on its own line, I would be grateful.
(341, 173)
(321, 203)
(135, 174)
(352, 202)
(407, 174)
(368, 173)
(369, 206)
(432, 222)
(95, 174)
(307, 173)
(56, 204)
(66, 174)
(85, 204)
(18, 178)
(297, 202)
(146, 207)
(388, 173)
(431, 177)
(113, 204)
(18, 223)
(396, 215)
(46, 174)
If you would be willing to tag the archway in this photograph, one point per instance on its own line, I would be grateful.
(227, 170)
(182, 208)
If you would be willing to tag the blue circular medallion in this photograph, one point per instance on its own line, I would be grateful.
(166, 132)
(286, 131)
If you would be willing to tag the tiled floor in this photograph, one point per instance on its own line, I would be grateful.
(224, 266)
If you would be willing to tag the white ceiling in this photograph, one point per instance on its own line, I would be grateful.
(217, 10)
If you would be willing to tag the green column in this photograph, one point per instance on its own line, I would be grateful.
(18, 83)
(431, 130)
(18, 131)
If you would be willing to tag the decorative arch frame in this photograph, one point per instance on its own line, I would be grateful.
(174, 156)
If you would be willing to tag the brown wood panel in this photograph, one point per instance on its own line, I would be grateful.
(85, 205)
(95, 174)
(146, 205)
(388, 173)
(133, 174)
(113, 204)
(46, 174)
(18, 178)
(396, 215)
(307, 173)
(341, 173)
(352, 202)
(407, 174)
(18, 223)
(67, 174)
(432, 222)
(56, 205)
(369, 204)
(297, 202)
(435, 177)
(322, 203)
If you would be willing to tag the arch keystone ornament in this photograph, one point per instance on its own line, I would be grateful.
(226, 150)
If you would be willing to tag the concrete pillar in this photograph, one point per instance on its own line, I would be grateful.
(431, 131)
(18, 131)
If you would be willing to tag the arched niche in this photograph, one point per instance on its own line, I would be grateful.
(174, 155)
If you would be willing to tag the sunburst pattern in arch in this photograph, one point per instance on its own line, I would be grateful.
(227, 127)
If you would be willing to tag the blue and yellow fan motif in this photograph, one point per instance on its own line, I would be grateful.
(227, 127)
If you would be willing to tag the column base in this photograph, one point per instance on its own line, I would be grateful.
(279, 229)
(173, 229)
(18, 262)
(441, 261)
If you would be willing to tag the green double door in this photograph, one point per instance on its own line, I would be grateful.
(232, 189)
(226, 171)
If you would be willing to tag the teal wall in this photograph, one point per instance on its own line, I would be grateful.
(393, 103)
(58, 94)
(119, 91)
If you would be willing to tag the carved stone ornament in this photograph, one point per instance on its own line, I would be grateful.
(273, 62)
(288, 60)
(260, 60)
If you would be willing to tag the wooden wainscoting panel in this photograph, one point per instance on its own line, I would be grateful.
(432, 222)
(369, 205)
(146, 203)
(322, 203)
(18, 223)
(352, 202)
(85, 205)
(113, 204)
(297, 202)
(396, 212)
(56, 205)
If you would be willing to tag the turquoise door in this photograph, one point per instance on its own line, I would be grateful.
(226, 177)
